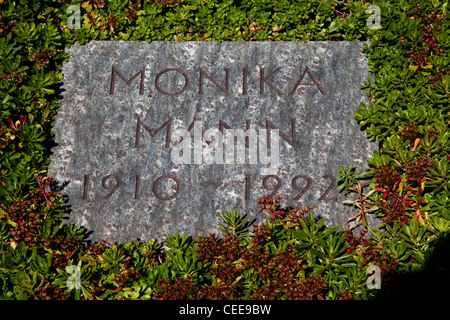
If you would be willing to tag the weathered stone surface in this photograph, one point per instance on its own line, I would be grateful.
(122, 183)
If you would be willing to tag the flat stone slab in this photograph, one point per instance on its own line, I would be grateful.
(145, 132)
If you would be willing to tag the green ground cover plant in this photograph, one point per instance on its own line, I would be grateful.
(292, 255)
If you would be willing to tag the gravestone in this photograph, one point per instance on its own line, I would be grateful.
(154, 138)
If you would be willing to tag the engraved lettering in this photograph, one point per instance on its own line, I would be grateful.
(111, 188)
(301, 189)
(85, 186)
(137, 187)
(225, 89)
(247, 187)
(167, 124)
(265, 79)
(238, 134)
(311, 75)
(210, 183)
(291, 140)
(244, 81)
(158, 87)
(159, 195)
(330, 187)
(115, 71)
(274, 188)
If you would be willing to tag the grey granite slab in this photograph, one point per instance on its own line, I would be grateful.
(125, 104)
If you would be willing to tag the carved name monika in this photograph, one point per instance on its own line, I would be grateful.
(264, 79)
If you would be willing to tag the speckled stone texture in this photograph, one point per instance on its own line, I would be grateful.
(122, 183)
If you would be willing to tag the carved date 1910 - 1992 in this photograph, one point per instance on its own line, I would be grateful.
(274, 188)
